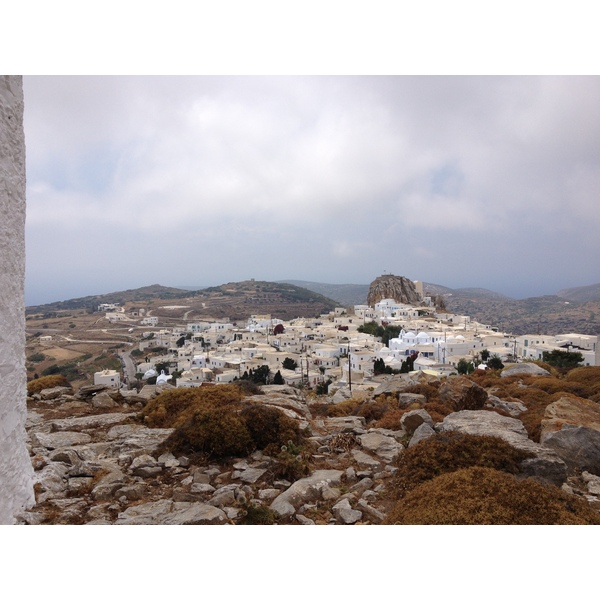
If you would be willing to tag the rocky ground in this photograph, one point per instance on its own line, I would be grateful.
(96, 463)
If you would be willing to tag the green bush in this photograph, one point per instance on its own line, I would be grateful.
(269, 426)
(37, 357)
(484, 496)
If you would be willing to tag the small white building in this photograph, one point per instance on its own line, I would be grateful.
(108, 378)
(150, 321)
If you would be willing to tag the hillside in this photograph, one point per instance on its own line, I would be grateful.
(588, 293)
(149, 292)
(230, 300)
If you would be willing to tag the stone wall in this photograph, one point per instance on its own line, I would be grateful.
(16, 472)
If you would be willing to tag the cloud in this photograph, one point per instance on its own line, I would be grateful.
(270, 169)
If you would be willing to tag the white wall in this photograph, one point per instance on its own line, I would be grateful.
(16, 472)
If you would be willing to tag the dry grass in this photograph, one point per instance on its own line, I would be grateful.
(447, 452)
(484, 496)
(35, 386)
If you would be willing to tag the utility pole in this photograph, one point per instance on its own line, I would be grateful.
(349, 368)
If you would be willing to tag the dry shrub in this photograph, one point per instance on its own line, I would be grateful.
(218, 432)
(391, 419)
(429, 390)
(437, 410)
(169, 408)
(213, 420)
(484, 496)
(589, 377)
(551, 385)
(269, 426)
(343, 409)
(35, 386)
(450, 451)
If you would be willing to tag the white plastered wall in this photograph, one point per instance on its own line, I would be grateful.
(16, 472)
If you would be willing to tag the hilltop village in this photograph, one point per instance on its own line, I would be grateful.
(400, 330)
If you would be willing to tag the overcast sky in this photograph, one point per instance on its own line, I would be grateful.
(462, 181)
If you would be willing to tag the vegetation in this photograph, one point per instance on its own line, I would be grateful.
(289, 363)
(213, 420)
(562, 359)
(37, 357)
(465, 367)
(485, 496)
(42, 383)
(385, 332)
(448, 452)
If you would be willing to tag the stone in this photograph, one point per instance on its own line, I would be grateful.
(376, 516)
(514, 409)
(422, 432)
(88, 422)
(252, 475)
(304, 520)
(396, 287)
(413, 419)
(406, 399)
(167, 512)
(53, 393)
(344, 513)
(356, 425)
(365, 461)
(362, 486)
(305, 490)
(393, 386)
(592, 482)
(545, 463)
(103, 400)
(462, 394)
(571, 428)
(526, 368)
(386, 447)
(60, 439)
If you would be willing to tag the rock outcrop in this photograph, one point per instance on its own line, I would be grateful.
(398, 288)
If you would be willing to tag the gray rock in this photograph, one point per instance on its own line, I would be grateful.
(413, 419)
(514, 409)
(356, 425)
(365, 461)
(167, 512)
(304, 520)
(406, 399)
(384, 446)
(592, 482)
(252, 475)
(89, 422)
(376, 516)
(61, 439)
(344, 513)
(545, 464)
(55, 392)
(202, 488)
(422, 432)
(578, 446)
(462, 394)
(103, 400)
(526, 368)
(362, 486)
(305, 490)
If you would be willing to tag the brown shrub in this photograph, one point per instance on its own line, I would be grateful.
(450, 451)
(391, 419)
(35, 386)
(343, 409)
(267, 426)
(484, 496)
(170, 408)
(218, 432)
(429, 390)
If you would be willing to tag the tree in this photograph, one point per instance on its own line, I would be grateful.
(465, 367)
(278, 379)
(278, 329)
(289, 363)
(485, 355)
(495, 362)
(562, 358)
(180, 342)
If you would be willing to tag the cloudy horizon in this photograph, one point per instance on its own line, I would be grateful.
(462, 181)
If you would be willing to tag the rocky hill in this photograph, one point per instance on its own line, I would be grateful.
(396, 287)
(588, 293)
(480, 446)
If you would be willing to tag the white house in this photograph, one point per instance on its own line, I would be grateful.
(108, 378)
(150, 321)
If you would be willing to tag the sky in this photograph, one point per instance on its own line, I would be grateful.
(463, 181)
(453, 143)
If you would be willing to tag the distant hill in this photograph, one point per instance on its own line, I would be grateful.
(149, 292)
(235, 300)
(587, 293)
(346, 294)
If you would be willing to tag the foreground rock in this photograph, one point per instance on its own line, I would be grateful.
(545, 463)
(571, 428)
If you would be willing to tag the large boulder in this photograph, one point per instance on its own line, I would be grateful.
(461, 393)
(386, 447)
(571, 428)
(526, 368)
(411, 420)
(544, 464)
(305, 490)
(167, 512)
